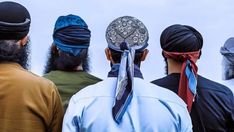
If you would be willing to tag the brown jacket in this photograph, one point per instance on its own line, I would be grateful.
(28, 103)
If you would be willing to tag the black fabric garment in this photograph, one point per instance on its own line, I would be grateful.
(213, 109)
(14, 21)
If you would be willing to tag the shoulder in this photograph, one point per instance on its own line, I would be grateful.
(229, 84)
(158, 92)
(30, 79)
(158, 81)
(89, 75)
(101, 89)
(49, 74)
(213, 86)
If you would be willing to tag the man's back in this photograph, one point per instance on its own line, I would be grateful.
(213, 109)
(151, 109)
(69, 83)
(28, 103)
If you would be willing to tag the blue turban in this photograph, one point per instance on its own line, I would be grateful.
(71, 34)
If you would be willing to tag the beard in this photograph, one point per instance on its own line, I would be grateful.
(166, 66)
(12, 52)
(65, 62)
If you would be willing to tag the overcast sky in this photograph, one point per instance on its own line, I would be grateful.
(213, 18)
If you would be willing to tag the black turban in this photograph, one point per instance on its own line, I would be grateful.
(181, 38)
(14, 21)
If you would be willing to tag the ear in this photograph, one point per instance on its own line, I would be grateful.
(54, 49)
(23, 41)
(200, 53)
(144, 54)
(108, 54)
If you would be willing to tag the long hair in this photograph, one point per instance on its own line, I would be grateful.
(59, 60)
(166, 65)
(10, 51)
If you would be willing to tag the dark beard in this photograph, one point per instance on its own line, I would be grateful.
(15, 53)
(65, 62)
(166, 66)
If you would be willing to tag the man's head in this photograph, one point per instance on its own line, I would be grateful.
(227, 50)
(181, 47)
(180, 39)
(69, 51)
(124, 33)
(14, 27)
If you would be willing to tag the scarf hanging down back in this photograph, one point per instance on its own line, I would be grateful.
(124, 89)
(188, 76)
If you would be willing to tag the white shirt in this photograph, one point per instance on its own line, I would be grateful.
(152, 109)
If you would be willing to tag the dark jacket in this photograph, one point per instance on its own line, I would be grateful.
(213, 109)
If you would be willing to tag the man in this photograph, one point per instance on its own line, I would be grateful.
(68, 65)
(124, 101)
(211, 105)
(227, 50)
(28, 103)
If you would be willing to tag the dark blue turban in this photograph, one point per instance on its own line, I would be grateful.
(71, 34)
(181, 38)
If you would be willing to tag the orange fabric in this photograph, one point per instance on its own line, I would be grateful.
(28, 103)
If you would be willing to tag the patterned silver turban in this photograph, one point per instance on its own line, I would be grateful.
(129, 30)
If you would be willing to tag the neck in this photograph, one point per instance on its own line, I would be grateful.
(173, 66)
(79, 68)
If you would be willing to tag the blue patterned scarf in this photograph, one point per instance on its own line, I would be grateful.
(125, 71)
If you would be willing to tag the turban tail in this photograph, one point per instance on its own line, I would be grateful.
(188, 77)
(124, 85)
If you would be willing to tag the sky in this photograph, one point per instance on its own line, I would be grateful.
(212, 18)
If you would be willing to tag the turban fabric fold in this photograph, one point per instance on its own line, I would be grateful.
(124, 84)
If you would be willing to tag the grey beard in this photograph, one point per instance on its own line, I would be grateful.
(228, 69)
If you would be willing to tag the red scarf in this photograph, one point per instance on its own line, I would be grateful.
(184, 92)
